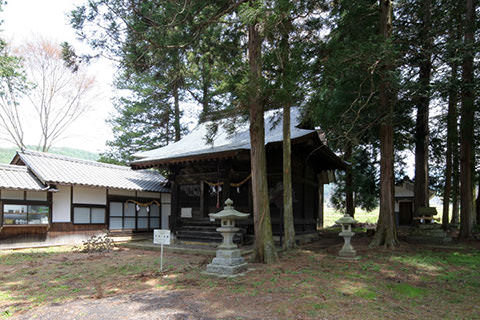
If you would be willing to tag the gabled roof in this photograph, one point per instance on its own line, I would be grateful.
(196, 144)
(19, 178)
(57, 169)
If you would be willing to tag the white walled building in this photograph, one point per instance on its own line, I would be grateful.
(51, 199)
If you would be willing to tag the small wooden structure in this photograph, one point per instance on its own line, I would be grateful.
(203, 174)
(404, 202)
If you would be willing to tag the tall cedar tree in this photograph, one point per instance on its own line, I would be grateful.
(344, 81)
(285, 26)
(168, 53)
(264, 245)
(386, 233)
(423, 104)
(466, 124)
(451, 187)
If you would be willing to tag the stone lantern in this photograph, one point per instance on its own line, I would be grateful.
(347, 251)
(228, 261)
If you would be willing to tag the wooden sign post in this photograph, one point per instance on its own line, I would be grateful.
(161, 237)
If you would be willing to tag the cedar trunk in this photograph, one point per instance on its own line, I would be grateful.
(456, 178)
(288, 223)
(477, 204)
(466, 127)
(386, 234)
(349, 203)
(264, 245)
(288, 220)
(451, 128)
(176, 111)
(421, 128)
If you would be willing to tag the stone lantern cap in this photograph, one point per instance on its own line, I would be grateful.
(229, 212)
(346, 219)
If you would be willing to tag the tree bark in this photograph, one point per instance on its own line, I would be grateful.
(477, 204)
(288, 221)
(176, 111)
(456, 178)
(466, 126)
(386, 234)
(422, 128)
(349, 202)
(451, 129)
(264, 248)
(287, 87)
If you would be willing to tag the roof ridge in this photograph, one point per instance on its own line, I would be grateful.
(13, 167)
(73, 159)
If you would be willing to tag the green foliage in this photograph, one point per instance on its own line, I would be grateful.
(326, 57)
(170, 53)
(365, 177)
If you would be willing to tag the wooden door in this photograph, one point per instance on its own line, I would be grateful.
(406, 213)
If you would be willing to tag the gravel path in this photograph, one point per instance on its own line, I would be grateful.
(178, 305)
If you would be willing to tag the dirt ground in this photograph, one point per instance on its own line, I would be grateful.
(411, 282)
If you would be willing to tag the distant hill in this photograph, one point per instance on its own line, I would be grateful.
(7, 154)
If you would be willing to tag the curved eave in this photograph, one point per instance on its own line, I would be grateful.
(336, 162)
(163, 190)
(150, 163)
(24, 188)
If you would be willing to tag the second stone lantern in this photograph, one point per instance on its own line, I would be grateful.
(228, 261)
(347, 252)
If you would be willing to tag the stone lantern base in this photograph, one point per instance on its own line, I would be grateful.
(347, 252)
(228, 262)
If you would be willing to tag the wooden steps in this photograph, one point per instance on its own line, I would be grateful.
(204, 231)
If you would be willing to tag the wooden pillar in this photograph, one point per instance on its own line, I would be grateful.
(71, 203)
(136, 212)
(320, 206)
(320, 218)
(107, 211)
(203, 212)
(50, 207)
(226, 181)
(174, 189)
(304, 189)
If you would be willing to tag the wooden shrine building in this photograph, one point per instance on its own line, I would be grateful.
(205, 172)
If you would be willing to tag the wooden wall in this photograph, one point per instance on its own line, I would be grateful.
(198, 195)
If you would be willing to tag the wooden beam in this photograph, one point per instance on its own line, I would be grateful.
(50, 206)
(226, 181)
(202, 199)
(320, 218)
(174, 189)
(187, 159)
(71, 203)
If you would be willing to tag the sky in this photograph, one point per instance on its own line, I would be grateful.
(27, 19)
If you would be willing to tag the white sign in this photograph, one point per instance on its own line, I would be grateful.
(186, 213)
(161, 236)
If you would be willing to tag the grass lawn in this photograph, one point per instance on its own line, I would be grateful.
(331, 215)
(412, 282)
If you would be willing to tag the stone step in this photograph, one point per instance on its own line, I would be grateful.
(197, 239)
(193, 233)
(205, 236)
(199, 222)
(433, 226)
(199, 228)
